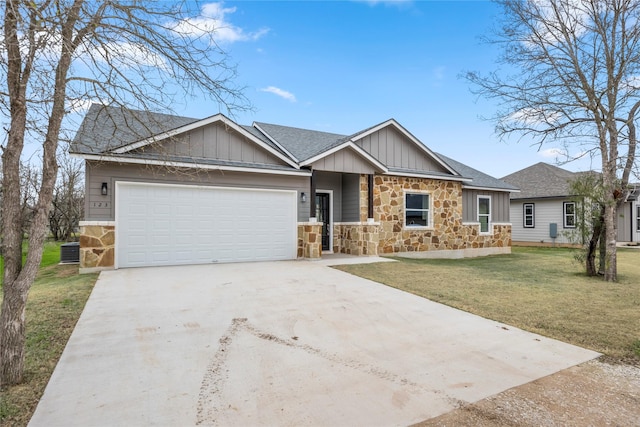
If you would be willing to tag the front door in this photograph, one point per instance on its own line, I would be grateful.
(322, 215)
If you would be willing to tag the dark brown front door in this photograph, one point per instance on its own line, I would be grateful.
(322, 215)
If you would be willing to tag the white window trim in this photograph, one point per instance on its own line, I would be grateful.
(564, 215)
(489, 222)
(429, 214)
(533, 215)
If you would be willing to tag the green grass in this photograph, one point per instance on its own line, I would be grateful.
(50, 256)
(55, 302)
(542, 290)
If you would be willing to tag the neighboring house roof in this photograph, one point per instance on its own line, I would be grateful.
(118, 134)
(479, 180)
(541, 180)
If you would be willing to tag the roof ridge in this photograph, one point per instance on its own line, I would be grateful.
(300, 128)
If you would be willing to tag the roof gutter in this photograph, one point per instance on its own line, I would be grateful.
(473, 187)
(195, 165)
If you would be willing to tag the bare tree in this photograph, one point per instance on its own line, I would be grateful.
(56, 55)
(571, 74)
(68, 200)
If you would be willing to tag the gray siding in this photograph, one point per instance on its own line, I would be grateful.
(627, 223)
(499, 205)
(332, 182)
(545, 213)
(350, 198)
(345, 160)
(214, 141)
(101, 208)
(394, 150)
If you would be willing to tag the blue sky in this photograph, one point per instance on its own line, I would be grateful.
(343, 66)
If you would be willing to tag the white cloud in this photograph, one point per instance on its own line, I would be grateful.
(438, 72)
(553, 153)
(555, 17)
(280, 92)
(213, 22)
(81, 105)
(533, 116)
(386, 2)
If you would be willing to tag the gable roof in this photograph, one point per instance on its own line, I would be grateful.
(106, 128)
(116, 134)
(303, 144)
(541, 180)
(118, 131)
(480, 180)
(393, 123)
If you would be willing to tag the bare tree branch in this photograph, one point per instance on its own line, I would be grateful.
(574, 68)
(146, 55)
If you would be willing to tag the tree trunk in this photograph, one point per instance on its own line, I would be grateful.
(611, 231)
(12, 334)
(596, 237)
(602, 256)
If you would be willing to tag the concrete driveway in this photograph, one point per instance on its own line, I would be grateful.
(281, 343)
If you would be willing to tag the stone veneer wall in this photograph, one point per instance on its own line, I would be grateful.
(446, 233)
(97, 244)
(309, 240)
(499, 238)
(355, 238)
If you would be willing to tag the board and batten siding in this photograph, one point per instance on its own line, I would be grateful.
(545, 212)
(350, 198)
(345, 160)
(499, 205)
(628, 222)
(101, 208)
(394, 150)
(214, 141)
(331, 182)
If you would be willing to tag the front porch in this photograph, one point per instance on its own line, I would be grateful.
(364, 215)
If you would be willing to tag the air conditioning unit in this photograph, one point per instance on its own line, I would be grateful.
(70, 253)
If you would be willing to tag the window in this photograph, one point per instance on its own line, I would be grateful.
(528, 215)
(484, 213)
(569, 214)
(638, 218)
(416, 212)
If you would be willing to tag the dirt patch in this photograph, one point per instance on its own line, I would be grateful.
(591, 394)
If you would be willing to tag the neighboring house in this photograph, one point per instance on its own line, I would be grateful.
(166, 190)
(629, 217)
(544, 211)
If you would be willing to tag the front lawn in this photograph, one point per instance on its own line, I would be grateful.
(541, 290)
(55, 302)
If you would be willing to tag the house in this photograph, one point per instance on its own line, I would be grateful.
(167, 190)
(629, 217)
(544, 211)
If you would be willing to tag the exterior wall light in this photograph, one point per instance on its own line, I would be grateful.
(104, 190)
(303, 197)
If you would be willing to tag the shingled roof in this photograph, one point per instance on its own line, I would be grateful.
(303, 144)
(480, 180)
(541, 180)
(105, 128)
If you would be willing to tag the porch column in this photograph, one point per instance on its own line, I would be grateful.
(370, 198)
(312, 197)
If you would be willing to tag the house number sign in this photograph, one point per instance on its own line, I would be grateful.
(100, 204)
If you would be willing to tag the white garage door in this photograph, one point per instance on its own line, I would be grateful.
(179, 224)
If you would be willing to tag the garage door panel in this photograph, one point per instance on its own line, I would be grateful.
(166, 225)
